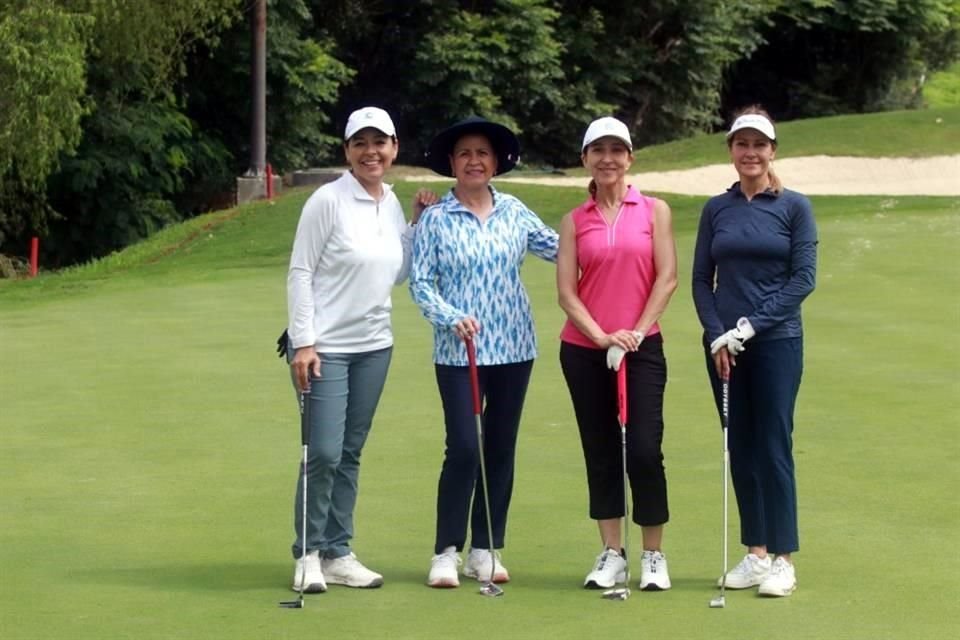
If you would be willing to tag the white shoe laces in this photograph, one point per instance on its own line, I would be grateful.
(744, 568)
(481, 558)
(780, 567)
(652, 559)
(605, 557)
(448, 560)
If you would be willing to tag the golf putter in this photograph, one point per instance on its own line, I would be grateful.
(624, 592)
(489, 588)
(721, 600)
(305, 442)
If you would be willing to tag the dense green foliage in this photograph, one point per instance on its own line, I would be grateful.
(122, 115)
(825, 57)
(99, 149)
(303, 83)
(943, 88)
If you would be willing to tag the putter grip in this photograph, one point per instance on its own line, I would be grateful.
(725, 402)
(474, 380)
(305, 417)
(622, 391)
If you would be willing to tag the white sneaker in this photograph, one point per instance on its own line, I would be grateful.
(609, 569)
(781, 581)
(751, 571)
(443, 569)
(478, 566)
(653, 571)
(350, 572)
(311, 574)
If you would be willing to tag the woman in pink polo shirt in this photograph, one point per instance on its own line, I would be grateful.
(616, 271)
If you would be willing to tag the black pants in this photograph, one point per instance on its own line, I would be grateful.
(593, 390)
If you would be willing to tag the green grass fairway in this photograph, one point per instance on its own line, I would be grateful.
(150, 448)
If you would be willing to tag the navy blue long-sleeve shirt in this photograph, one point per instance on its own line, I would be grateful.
(755, 259)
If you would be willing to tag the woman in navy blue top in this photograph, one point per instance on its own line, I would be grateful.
(754, 263)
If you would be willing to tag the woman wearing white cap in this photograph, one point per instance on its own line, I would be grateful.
(754, 263)
(352, 246)
(616, 272)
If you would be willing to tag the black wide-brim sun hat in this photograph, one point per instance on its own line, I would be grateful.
(504, 143)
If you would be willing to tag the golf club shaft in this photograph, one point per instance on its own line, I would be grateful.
(622, 419)
(477, 412)
(305, 440)
(726, 470)
(303, 401)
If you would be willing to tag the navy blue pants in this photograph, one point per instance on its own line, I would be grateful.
(502, 391)
(763, 394)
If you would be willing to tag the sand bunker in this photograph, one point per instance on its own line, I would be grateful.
(812, 175)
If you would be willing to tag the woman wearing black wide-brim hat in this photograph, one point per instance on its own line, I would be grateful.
(504, 143)
(466, 279)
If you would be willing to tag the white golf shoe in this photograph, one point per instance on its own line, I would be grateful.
(781, 581)
(478, 566)
(308, 569)
(444, 568)
(751, 571)
(654, 575)
(350, 572)
(609, 569)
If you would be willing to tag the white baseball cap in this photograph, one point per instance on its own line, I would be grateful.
(753, 121)
(607, 126)
(369, 117)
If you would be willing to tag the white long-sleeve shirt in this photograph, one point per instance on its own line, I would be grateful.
(348, 253)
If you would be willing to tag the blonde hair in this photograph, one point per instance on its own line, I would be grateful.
(755, 109)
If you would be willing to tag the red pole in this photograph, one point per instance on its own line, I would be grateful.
(269, 182)
(34, 255)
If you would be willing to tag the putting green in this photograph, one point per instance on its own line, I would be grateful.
(150, 446)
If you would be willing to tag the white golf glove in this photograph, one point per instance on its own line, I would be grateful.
(733, 340)
(615, 354)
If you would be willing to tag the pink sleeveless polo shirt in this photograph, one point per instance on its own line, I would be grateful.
(616, 263)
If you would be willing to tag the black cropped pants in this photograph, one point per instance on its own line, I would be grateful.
(593, 390)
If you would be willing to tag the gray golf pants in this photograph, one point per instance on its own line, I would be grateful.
(342, 403)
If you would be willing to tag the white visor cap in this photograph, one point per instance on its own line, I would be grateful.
(753, 121)
(369, 117)
(607, 126)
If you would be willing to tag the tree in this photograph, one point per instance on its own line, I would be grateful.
(75, 64)
(661, 63)
(503, 64)
(432, 62)
(840, 56)
(42, 53)
(304, 79)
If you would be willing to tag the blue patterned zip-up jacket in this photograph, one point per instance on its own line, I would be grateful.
(463, 267)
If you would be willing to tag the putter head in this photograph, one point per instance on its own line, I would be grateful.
(616, 594)
(292, 604)
(490, 589)
(718, 603)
